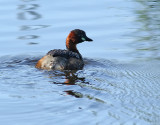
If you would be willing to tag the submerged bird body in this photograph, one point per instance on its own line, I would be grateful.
(69, 59)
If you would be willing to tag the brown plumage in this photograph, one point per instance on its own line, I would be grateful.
(69, 59)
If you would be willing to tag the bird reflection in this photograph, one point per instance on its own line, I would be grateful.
(75, 94)
(69, 77)
(72, 78)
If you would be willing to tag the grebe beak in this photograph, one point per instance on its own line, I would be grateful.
(86, 39)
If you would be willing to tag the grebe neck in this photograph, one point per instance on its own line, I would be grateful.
(72, 47)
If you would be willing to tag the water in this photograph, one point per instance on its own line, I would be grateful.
(120, 81)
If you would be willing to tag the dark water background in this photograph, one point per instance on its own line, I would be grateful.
(120, 82)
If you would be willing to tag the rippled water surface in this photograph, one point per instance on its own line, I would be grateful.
(120, 82)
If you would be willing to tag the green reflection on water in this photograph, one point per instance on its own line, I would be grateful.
(147, 35)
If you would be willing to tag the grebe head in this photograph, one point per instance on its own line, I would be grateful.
(77, 36)
(80, 35)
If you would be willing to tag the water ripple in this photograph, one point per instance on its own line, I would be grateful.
(119, 90)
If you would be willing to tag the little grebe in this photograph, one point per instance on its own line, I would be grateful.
(69, 59)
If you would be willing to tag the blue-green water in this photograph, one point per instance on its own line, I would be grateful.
(120, 82)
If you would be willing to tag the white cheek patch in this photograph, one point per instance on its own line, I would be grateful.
(83, 38)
